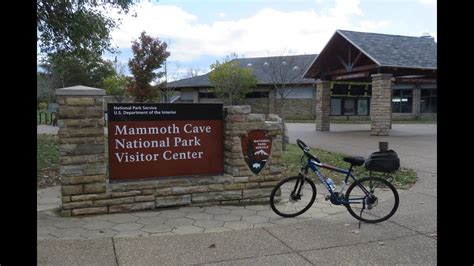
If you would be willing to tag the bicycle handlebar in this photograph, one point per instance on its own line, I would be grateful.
(305, 149)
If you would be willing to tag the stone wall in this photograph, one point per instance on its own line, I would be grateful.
(297, 108)
(85, 188)
(258, 105)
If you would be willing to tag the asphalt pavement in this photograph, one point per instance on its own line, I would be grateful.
(409, 237)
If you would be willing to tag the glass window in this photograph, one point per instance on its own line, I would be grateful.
(362, 106)
(349, 106)
(357, 89)
(340, 89)
(257, 94)
(335, 106)
(402, 101)
(209, 95)
(428, 101)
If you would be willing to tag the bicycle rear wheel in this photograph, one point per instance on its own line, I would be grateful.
(293, 196)
(372, 197)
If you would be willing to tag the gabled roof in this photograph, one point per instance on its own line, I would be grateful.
(382, 50)
(395, 50)
(258, 65)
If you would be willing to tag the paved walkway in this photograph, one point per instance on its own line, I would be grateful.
(184, 220)
(249, 235)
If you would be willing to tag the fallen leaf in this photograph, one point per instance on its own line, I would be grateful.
(212, 246)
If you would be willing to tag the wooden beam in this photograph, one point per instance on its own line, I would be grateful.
(359, 68)
(351, 76)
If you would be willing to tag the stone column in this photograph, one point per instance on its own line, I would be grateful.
(81, 136)
(380, 105)
(323, 105)
(416, 102)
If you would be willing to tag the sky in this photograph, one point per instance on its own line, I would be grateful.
(199, 32)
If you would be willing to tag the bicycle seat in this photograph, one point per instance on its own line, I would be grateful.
(355, 160)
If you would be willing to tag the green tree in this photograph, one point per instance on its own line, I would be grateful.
(77, 28)
(116, 85)
(230, 81)
(73, 35)
(149, 55)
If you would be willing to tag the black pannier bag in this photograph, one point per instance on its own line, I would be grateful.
(383, 161)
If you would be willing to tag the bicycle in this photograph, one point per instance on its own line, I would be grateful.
(372, 195)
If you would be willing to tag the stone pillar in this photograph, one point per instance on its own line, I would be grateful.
(81, 136)
(380, 105)
(238, 122)
(416, 102)
(323, 105)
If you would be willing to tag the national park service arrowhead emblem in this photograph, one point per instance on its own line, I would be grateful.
(256, 147)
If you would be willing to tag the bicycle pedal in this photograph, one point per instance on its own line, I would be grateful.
(327, 197)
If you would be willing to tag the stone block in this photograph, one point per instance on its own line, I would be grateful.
(94, 188)
(141, 185)
(256, 117)
(132, 207)
(80, 101)
(252, 185)
(125, 193)
(65, 199)
(66, 213)
(71, 170)
(268, 184)
(94, 112)
(188, 190)
(82, 140)
(78, 204)
(235, 186)
(71, 112)
(94, 169)
(145, 198)
(84, 197)
(217, 196)
(163, 192)
(90, 148)
(72, 190)
(93, 210)
(149, 191)
(113, 201)
(237, 109)
(257, 193)
(173, 201)
(256, 178)
(81, 159)
(83, 179)
(80, 132)
(215, 187)
(241, 179)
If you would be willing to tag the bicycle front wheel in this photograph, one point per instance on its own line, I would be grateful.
(293, 196)
(372, 199)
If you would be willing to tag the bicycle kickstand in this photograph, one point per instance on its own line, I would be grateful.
(362, 210)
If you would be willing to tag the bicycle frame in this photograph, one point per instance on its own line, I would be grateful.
(313, 165)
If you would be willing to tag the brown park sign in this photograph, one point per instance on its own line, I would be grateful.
(160, 140)
(256, 148)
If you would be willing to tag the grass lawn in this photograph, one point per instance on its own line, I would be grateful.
(47, 159)
(404, 178)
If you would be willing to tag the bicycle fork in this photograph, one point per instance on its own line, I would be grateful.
(296, 193)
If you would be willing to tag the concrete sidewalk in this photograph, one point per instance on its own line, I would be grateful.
(250, 235)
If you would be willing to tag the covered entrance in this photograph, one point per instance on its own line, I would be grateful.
(355, 74)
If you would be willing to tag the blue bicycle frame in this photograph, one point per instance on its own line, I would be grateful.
(313, 165)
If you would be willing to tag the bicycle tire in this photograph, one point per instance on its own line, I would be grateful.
(275, 205)
(390, 190)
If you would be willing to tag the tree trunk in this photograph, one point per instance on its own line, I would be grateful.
(282, 116)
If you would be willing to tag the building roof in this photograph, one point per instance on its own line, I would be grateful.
(395, 50)
(258, 64)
